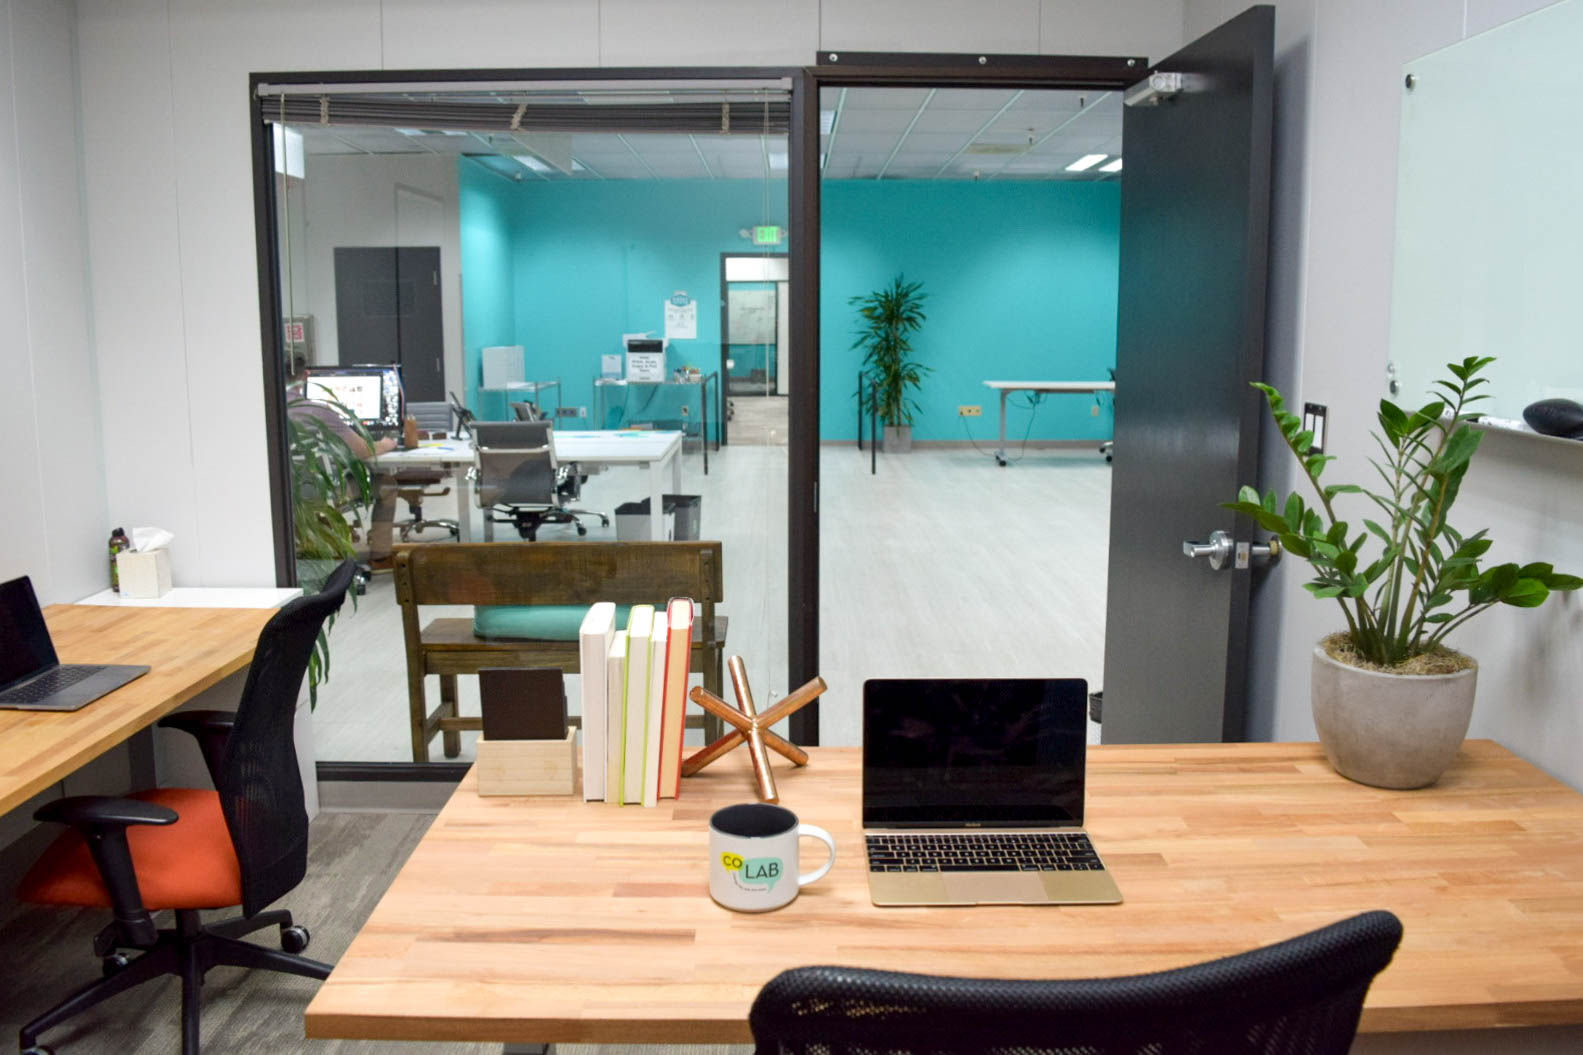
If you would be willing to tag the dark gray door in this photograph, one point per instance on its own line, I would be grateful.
(1190, 337)
(387, 310)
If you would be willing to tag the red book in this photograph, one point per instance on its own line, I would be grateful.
(678, 656)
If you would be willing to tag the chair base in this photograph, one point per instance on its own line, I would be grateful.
(408, 528)
(187, 950)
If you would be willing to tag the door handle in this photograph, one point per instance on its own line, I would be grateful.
(1218, 549)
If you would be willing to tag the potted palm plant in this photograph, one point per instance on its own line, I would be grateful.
(1391, 699)
(327, 477)
(888, 318)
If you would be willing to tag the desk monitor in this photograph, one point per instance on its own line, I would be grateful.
(372, 393)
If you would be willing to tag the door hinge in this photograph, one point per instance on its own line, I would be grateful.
(1153, 90)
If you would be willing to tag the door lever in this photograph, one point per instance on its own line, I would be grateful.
(1218, 549)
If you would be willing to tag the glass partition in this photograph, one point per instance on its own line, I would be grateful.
(509, 272)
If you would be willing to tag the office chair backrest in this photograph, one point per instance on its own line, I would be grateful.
(1299, 997)
(516, 463)
(258, 779)
(527, 411)
(431, 417)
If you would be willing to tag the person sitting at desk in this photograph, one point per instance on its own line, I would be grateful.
(301, 406)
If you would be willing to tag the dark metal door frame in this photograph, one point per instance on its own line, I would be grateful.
(835, 69)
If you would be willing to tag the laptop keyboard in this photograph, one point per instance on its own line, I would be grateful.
(1008, 852)
(47, 684)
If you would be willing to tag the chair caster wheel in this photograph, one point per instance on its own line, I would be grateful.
(116, 961)
(581, 530)
(38, 1049)
(294, 939)
(604, 521)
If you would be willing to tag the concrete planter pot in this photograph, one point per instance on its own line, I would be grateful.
(898, 439)
(1390, 730)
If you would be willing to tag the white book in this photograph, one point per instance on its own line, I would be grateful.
(594, 637)
(615, 712)
(651, 735)
(640, 628)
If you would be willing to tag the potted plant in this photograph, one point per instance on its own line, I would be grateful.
(1391, 699)
(888, 319)
(327, 477)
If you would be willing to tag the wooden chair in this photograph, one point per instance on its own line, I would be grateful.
(538, 573)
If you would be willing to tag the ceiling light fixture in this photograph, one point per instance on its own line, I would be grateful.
(1114, 166)
(826, 121)
(1086, 162)
(777, 159)
(531, 162)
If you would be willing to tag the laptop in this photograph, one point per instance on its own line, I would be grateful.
(31, 678)
(973, 793)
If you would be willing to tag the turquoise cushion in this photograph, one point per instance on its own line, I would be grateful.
(536, 622)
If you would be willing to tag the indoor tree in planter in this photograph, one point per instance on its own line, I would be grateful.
(888, 318)
(1391, 699)
(327, 476)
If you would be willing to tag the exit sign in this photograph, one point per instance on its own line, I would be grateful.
(766, 236)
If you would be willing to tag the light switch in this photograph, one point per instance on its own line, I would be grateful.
(1314, 415)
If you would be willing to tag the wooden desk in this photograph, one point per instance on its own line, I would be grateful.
(553, 920)
(189, 649)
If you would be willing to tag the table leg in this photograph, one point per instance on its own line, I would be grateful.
(1000, 454)
(464, 504)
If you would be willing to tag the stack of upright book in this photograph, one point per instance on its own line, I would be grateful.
(634, 695)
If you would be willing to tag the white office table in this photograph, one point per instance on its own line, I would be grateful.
(653, 449)
(1005, 388)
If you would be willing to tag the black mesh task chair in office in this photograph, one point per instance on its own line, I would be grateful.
(518, 480)
(1302, 996)
(186, 849)
(527, 411)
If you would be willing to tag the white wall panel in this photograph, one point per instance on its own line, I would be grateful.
(1003, 26)
(475, 34)
(65, 383)
(1151, 28)
(708, 33)
(22, 534)
(1487, 14)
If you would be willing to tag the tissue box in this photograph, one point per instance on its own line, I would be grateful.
(144, 574)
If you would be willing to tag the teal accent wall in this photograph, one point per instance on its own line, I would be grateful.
(1021, 277)
(488, 291)
(1022, 281)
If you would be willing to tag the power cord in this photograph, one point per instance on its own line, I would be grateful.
(1031, 404)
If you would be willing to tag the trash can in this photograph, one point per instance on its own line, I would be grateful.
(682, 514)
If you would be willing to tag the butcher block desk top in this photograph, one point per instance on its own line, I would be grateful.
(557, 920)
(187, 649)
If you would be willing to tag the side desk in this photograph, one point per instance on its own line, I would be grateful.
(545, 920)
(188, 649)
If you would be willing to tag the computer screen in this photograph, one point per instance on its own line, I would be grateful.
(372, 393)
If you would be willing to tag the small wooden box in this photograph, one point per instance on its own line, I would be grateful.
(528, 767)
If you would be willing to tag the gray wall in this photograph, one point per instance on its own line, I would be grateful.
(53, 521)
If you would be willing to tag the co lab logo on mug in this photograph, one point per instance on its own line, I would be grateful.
(753, 872)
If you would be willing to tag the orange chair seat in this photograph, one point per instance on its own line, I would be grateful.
(189, 864)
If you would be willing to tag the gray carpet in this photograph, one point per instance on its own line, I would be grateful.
(354, 856)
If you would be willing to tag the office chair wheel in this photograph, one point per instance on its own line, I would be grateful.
(38, 1049)
(294, 939)
(581, 530)
(604, 521)
(114, 963)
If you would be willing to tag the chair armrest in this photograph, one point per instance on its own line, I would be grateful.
(103, 821)
(210, 728)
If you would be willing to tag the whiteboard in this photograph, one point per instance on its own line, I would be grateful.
(751, 315)
(1489, 214)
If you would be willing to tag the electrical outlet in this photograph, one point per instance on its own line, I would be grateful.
(571, 412)
(968, 410)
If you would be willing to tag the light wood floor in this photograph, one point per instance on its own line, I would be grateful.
(352, 860)
(941, 564)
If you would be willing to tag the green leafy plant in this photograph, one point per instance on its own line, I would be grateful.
(1426, 580)
(327, 477)
(888, 319)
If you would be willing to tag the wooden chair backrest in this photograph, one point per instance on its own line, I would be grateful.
(503, 573)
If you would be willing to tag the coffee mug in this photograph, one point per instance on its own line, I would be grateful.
(753, 856)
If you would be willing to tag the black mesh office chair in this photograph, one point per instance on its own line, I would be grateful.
(415, 484)
(186, 849)
(1298, 997)
(527, 411)
(518, 480)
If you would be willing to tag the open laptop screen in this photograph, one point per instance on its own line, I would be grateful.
(997, 752)
(25, 647)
